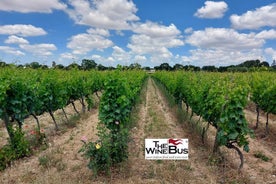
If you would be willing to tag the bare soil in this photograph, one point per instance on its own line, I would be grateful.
(153, 117)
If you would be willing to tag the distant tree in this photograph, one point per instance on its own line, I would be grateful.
(209, 68)
(250, 63)
(264, 63)
(88, 64)
(124, 67)
(34, 65)
(147, 68)
(44, 66)
(111, 68)
(135, 66)
(223, 69)
(196, 68)
(238, 69)
(119, 67)
(101, 67)
(178, 67)
(186, 67)
(73, 66)
(163, 66)
(191, 68)
(3, 64)
(53, 64)
(59, 66)
(273, 65)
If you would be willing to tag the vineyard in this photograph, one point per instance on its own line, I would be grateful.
(127, 103)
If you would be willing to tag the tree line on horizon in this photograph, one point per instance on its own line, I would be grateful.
(89, 64)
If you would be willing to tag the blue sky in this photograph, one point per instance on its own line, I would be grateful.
(147, 32)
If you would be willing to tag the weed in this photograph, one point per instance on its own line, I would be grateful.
(44, 161)
(73, 121)
(76, 168)
(260, 155)
(52, 159)
(159, 161)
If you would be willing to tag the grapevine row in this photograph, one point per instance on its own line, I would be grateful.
(263, 94)
(27, 92)
(121, 90)
(218, 99)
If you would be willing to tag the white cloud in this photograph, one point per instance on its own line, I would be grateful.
(188, 30)
(95, 56)
(155, 40)
(97, 31)
(22, 30)
(143, 44)
(86, 42)
(267, 35)
(67, 55)
(226, 39)
(43, 6)
(67, 58)
(139, 58)
(11, 50)
(110, 59)
(218, 57)
(107, 14)
(222, 46)
(105, 61)
(43, 49)
(270, 51)
(263, 16)
(16, 40)
(212, 10)
(119, 33)
(156, 30)
(120, 54)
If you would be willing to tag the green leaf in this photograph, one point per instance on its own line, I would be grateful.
(233, 135)
(246, 148)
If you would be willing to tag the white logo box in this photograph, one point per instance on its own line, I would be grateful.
(166, 149)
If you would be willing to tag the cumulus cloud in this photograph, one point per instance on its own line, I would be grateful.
(11, 50)
(97, 31)
(22, 30)
(139, 58)
(67, 55)
(226, 39)
(154, 30)
(267, 34)
(188, 30)
(16, 40)
(222, 46)
(86, 42)
(42, 6)
(155, 40)
(212, 10)
(43, 49)
(120, 54)
(263, 16)
(219, 57)
(106, 61)
(271, 52)
(107, 14)
(143, 44)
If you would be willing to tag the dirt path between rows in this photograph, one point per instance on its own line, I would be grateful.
(157, 121)
(261, 171)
